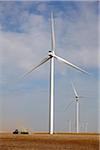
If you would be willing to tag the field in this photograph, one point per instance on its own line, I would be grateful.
(37, 141)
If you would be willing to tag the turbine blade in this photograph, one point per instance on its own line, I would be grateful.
(74, 89)
(86, 97)
(70, 64)
(52, 31)
(41, 63)
(69, 105)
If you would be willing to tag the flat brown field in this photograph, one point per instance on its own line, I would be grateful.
(49, 142)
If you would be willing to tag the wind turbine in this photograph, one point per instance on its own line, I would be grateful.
(51, 56)
(84, 126)
(77, 108)
(69, 125)
(77, 97)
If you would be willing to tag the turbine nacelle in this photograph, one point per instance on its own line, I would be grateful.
(51, 54)
(77, 98)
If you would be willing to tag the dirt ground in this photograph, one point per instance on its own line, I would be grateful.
(38, 141)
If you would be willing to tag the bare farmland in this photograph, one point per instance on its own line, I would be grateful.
(49, 142)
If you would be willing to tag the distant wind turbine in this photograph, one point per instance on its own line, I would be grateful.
(77, 97)
(69, 125)
(77, 107)
(84, 126)
(51, 56)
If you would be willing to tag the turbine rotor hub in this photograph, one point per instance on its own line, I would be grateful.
(77, 98)
(51, 53)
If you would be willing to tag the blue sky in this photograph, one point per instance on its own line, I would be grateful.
(25, 40)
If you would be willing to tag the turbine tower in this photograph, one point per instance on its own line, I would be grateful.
(51, 99)
(51, 56)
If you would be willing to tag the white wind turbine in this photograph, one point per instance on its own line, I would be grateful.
(51, 56)
(77, 97)
(77, 108)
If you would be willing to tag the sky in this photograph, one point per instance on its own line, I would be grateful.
(25, 40)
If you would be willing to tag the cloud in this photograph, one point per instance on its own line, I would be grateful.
(77, 39)
(25, 49)
(42, 7)
(80, 36)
